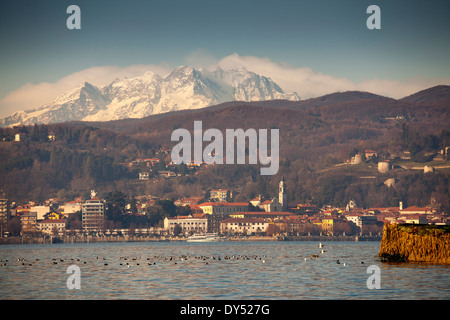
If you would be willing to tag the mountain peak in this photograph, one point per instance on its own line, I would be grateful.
(183, 70)
(184, 88)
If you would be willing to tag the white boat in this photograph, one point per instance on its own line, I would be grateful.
(207, 237)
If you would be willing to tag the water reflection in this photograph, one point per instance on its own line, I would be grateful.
(224, 270)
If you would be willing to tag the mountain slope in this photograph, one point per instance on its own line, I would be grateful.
(437, 95)
(73, 105)
(184, 88)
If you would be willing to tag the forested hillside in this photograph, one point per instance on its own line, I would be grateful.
(317, 136)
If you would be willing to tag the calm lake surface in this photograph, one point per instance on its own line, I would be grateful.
(217, 270)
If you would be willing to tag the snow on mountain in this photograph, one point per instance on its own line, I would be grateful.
(72, 105)
(184, 88)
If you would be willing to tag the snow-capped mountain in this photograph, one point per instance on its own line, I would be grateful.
(184, 88)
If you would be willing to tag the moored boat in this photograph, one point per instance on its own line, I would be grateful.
(207, 237)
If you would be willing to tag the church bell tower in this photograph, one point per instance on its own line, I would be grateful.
(282, 197)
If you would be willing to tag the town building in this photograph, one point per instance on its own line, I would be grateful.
(221, 195)
(370, 153)
(414, 219)
(72, 206)
(189, 224)
(52, 226)
(53, 215)
(245, 226)
(223, 207)
(190, 201)
(144, 175)
(51, 137)
(40, 211)
(29, 222)
(331, 225)
(218, 211)
(4, 211)
(305, 208)
(416, 210)
(22, 137)
(271, 205)
(257, 200)
(92, 213)
(275, 215)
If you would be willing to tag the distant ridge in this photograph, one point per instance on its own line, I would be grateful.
(434, 95)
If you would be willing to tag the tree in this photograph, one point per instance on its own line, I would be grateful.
(14, 226)
(177, 229)
(272, 229)
(74, 221)
(132, 229)
(115, 205)
(55, 232)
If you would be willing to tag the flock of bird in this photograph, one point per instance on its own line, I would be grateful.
(322, 251)
(137, 261)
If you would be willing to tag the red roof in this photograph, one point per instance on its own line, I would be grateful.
(415, 208)
(218, 204)
(264, 213)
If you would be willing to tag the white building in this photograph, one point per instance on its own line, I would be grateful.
(93, 212)
(282, 196)
(243, 225)
(72, 207)
(188, 224)
(40, 211)
(144, 175)
(48, 226)
(221, 195)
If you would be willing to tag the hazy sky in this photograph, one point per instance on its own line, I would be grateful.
(329, 38)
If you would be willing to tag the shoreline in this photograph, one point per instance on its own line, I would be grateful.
(90, 239)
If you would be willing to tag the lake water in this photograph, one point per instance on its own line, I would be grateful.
(218, 270)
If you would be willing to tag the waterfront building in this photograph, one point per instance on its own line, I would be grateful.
(29, 222)
(197, 223)
(4, 211)
(243, 226)
(49, 226)
(93, 212)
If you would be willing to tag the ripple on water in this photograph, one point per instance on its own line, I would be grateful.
(225, 270)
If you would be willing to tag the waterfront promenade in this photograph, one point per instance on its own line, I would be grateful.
(95, 239)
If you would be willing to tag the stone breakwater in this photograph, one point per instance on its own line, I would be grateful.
(415, 243)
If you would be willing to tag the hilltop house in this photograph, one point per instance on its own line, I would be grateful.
(220, 195)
